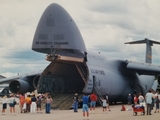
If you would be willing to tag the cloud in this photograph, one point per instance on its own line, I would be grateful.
(105, 26)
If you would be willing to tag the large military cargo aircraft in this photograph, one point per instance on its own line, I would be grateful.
(72, 68)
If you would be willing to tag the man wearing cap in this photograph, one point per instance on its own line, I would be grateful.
(75, 101)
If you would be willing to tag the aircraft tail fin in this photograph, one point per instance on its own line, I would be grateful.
(1, 77)
(5, 91)
(149, 43)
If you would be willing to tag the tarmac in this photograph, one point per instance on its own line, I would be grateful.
(114, 114)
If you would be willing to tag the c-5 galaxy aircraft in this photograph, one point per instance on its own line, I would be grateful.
(73, 68)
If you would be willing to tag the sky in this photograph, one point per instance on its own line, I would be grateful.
(105, 26)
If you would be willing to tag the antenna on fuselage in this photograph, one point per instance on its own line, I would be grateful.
(52, 50)
(149, 43)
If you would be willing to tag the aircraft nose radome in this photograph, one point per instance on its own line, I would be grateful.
(57, 30)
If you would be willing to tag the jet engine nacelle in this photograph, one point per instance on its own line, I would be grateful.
(22, 85)
(35, 81)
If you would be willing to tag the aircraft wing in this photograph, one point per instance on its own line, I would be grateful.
(9, 79)
(143, 68)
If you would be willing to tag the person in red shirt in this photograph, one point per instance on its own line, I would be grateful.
(135, 99)
(93, 99)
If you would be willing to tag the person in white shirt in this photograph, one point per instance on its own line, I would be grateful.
(149, 97)
(4, 104)
(11, 103)
(104, 104)
(141, 99)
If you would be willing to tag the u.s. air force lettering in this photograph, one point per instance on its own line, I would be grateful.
(101, 72)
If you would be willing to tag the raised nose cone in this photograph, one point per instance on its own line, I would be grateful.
(57, 33)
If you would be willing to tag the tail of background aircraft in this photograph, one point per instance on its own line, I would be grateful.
(149, 43)
(5, 91)
(1, 77)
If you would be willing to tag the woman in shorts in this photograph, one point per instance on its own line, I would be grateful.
(4, 104)
(11, 103)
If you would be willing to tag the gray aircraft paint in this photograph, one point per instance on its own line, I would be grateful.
(58, 32)
(113, 81)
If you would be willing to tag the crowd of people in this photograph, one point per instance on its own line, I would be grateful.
(31, 103)
(89, 103)
(28, 103)
(150, 101)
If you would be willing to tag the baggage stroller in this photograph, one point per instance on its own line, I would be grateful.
(137, 109)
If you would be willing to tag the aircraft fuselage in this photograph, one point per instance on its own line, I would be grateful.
(101, 74)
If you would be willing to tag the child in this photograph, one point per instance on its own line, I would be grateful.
(4, 104)
(24, 107)
(104, 104)
(157, 104)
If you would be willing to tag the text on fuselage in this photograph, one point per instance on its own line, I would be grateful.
(101, 72)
